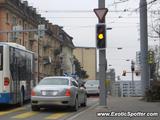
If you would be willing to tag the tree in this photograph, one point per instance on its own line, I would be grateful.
(79, 69)
(154, 34)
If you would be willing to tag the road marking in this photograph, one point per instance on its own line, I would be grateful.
(25, 115)
(55, 116)
(11, 111)
(76, 115)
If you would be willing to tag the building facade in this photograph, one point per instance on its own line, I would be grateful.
(17, 15)
(88, 60)
(67, 53)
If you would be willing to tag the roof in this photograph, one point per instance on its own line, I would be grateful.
(66, 39)
(67, 77)
(13, 45)
(85, 47)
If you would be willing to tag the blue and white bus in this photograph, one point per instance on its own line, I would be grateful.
(16, 73)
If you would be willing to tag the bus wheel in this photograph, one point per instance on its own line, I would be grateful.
(22, 97)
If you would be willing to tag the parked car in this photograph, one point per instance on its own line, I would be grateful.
(58, 90)
(92, 87)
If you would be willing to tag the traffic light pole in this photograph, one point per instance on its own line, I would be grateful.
(102, 66)
(144, 46)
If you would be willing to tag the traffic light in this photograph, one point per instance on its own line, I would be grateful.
(101, 35)
(150, 57)
(124, 73)
(137, 73)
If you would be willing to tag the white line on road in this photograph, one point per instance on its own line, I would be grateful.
(78, 114)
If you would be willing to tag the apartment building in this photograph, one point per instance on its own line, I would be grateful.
(48, 48)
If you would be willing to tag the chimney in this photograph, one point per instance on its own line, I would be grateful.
(25, 3)
(34, 9)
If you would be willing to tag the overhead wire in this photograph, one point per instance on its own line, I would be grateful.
(91, 11)
(151, 2)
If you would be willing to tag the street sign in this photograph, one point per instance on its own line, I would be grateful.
(101, 13)
(41, 30)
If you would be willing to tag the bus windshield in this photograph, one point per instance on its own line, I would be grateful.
(1, 57)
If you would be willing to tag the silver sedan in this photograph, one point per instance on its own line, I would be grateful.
(58, 90)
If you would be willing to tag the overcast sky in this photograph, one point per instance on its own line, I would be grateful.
(79, 21)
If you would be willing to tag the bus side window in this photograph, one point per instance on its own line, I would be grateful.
(1, 57)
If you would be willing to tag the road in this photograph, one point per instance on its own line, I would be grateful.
(25, 113)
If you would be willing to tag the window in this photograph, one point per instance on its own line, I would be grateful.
(7, 18)
(25, 26)
(20, 64)
(14, 21)
(54, 81)
(1, 58)
(20, 22)
(13, 64)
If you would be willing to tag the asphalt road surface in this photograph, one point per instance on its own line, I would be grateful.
(52, 113)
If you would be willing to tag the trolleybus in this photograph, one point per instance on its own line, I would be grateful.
(16, 73)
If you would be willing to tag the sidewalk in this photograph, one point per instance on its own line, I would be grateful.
(120, 108)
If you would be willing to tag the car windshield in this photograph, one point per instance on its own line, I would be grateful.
(54, 81)
(89, 82)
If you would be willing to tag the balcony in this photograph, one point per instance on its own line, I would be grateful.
(47, 45)
(57, 52)
(47, 60)
(33, 37)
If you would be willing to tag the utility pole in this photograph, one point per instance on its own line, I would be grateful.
(102, 65)
(144, 46)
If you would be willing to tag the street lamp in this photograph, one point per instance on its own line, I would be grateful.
(109, 65)
(108, 28)
(119, 48)
(127, 59)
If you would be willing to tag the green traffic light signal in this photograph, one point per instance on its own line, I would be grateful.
(101, 35)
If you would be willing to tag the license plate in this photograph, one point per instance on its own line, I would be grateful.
(49, 93)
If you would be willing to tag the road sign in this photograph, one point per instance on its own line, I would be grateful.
(101, 13)
(41, 29)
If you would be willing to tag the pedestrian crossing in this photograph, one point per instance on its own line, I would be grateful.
(55, 116)
(11, 111)
(25, 113)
